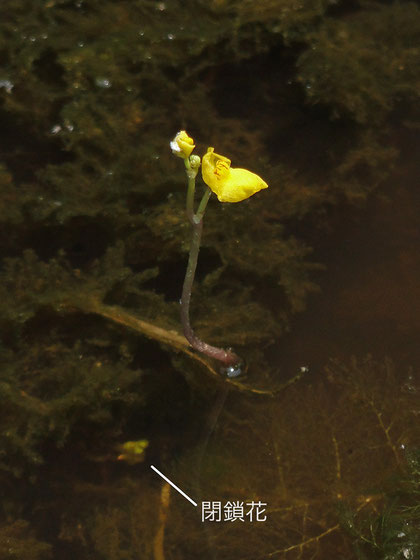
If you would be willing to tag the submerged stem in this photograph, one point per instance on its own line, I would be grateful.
(227, 357)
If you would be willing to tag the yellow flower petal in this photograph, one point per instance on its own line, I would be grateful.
(229, 184)
(182, 145)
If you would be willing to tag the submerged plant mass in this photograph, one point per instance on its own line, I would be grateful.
(96, 378)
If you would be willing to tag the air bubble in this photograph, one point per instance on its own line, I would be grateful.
(232, 371)
(103, 83)
(7, 85)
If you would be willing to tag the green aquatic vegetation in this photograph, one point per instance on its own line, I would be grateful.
(343, 443)
(365, 65)
(94, 242)
(49, 393)
(17, 543)
(290, 19)
(394, 533)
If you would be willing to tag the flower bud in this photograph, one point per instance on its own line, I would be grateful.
(195, 162)
(182, 145)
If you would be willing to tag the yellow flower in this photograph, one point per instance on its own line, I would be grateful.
(229, 184)
(182, 145)
(132, 452)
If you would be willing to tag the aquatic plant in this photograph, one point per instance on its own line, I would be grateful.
(93, 241)
(17, 542)
(333, 456)
(230, 185)
(393, 533)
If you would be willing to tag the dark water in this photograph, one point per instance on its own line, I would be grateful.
(370, 291)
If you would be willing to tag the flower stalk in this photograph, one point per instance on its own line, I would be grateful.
(226, 357)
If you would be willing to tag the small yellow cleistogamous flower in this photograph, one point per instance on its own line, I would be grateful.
(132, 452)
(182, 145)
(229, 184)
